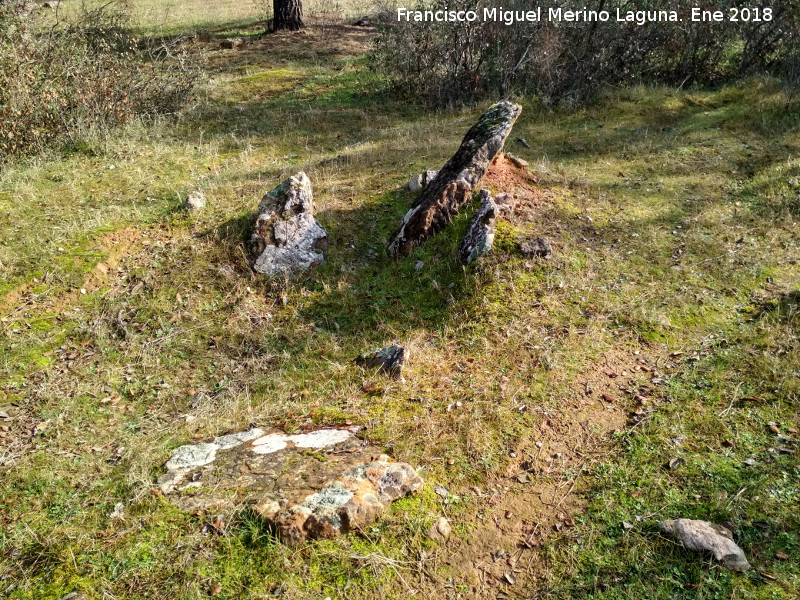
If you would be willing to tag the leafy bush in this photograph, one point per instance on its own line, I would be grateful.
(567, 62)
(65, 82)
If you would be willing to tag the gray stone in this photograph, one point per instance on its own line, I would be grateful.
(318, 484)
(480, 235)
(421, 181)
(390, 360)
(287, 238)
(702, 536)
(196, 200)
(537, 248)
(189, 457)
(457, 180)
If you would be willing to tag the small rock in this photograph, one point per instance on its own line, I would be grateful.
(440, 530)
(517, 161)
(537, 248)
(505, 204)
(196, 200)
(390, 360)
(418, 266)
(118, 512)
(702, 536)
(480, 236)
(421, 181)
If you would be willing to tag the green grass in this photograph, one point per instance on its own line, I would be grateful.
(674, 217)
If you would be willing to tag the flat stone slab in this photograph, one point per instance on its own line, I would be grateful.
(318, 484)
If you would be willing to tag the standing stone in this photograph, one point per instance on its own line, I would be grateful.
(390, 360)
(480, 235)
(702, 536)
(457, 180)
(287, 238)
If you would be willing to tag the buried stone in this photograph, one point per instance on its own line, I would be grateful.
(457, 180)
(480, 235)
(287, 238)
(390, 360)
(319, 484)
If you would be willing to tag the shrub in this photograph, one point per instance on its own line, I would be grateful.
(567, 62)
(66, 82)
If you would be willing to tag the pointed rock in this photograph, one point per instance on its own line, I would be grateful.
(455, 183)
(287, 238)
(480, 235)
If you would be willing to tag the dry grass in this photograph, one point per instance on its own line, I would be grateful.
(666, 217)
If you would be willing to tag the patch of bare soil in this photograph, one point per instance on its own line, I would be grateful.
(520, 183)
(19, 427)
(307, 45)
(539, 494)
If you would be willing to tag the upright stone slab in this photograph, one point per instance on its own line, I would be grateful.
(480, 235)
(287, 238)
(455, 183)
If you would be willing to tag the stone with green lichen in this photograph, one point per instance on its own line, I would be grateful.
(457, 180)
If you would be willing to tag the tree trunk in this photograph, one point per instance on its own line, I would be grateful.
(288, 14)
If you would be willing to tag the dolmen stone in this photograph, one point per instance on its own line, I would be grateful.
(287, 238)
(457, 180)
(702, 536)
(313, 485)
(390, 360)
(480, 235)
(421, 181)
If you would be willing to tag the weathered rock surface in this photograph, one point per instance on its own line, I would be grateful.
(421, 181)
(196, 200)
(537, 248)
(517, 161)
(319, 484)
(390, 360)
(506, 203)
(457, 180)
(440, 530)
(480, 235)
(702, 536)
(287, 238)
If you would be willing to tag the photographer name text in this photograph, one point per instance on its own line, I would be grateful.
(559, 15)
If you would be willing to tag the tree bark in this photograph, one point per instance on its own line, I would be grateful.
(288, 14)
